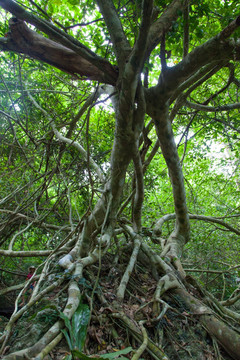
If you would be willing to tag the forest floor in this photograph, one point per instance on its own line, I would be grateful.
(178, 332)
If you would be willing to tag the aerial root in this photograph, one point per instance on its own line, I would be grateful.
(129, 268)
(132, 320)
(49, 347)
(52, 336)
(225, 335)
(216, 349)
(167, 282)
(143, 346)
(155, 351)
(164, 309)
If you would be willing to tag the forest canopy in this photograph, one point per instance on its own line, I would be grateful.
(119, 171)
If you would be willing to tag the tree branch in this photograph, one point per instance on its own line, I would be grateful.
(138, 54)
(215, 220)
(39, 221)
(206, 108)
(163, 24)
(136, 239)
(88, 57)
(186, 29)
(82, 151)
(69, 141)
(34, 253)
(139, 194)
(181, 100)
(69, 58)
(121, 45)
(216, 49)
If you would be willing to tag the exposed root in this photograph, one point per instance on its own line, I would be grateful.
(146, 317)
(129, 268)
(155, 351)
(18, 314)
(228, 338)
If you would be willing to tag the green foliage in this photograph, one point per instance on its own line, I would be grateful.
(76, 329)
(75, 334)
(109, 356)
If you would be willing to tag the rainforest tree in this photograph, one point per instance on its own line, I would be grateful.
(109, 113)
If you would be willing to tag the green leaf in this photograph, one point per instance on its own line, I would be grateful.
(115, 354)
(69, 327)
(80, 322)
(79, 355)
(68, 339)
(66, 320)
(73, 2)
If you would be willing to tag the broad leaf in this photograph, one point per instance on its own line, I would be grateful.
(114, 355)
(80, 322)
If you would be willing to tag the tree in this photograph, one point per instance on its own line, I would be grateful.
(160, 69)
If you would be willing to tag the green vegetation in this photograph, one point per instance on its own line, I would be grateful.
(119, 175)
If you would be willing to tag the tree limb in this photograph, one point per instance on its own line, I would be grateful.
(206, 108)
(68, 58)
(34, 253)
(121, 45)
(215, 220)
(218, 48)
(52, 31)
(69, 141)
(186, 29)
(165, 135)
(163, 24)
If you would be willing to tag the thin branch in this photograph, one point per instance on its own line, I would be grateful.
(139, 194)
(13, 272)
(138, 123)
(17, 234)
(233, 299)
(186, 29)
(193, 79)
(83, 23)
(139, 50)
(163, 54)
(207, 271)
(215, 49)
(91, 99)
(80, 149)
(181, 100)
(39, 222)
(151, 155)
(200, 107)
(69, 141)
(215, 221)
